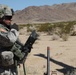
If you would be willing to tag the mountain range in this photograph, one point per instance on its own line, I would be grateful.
(46, 13)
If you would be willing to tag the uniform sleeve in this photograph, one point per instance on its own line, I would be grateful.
(8, 38)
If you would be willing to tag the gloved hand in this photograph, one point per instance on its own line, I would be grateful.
(15, 26)
(26, 49)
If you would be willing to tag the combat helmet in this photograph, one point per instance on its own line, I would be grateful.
(5, 11)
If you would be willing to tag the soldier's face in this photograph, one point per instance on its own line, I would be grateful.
(8, 20)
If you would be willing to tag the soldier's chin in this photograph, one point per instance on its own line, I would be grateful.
(9, 24)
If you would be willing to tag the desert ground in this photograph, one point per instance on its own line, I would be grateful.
(62, 54)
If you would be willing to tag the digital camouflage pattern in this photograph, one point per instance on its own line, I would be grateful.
(5, 10)
(8, 38)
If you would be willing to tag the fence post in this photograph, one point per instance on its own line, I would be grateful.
(48, 60)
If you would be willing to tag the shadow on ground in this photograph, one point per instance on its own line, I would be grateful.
(63, 70)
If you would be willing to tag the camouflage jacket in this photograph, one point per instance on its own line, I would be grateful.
(9, 37)
(8, 42)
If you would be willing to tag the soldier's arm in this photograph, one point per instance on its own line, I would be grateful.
(8, 38)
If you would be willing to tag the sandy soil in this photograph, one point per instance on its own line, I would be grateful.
(62, 55)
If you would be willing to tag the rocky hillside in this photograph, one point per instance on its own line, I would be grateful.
(41, 14)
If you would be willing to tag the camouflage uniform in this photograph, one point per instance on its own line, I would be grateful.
(8, 43)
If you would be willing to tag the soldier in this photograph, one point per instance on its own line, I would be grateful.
(9, 49)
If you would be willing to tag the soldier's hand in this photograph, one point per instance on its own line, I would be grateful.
(2, 30)
(15, 26)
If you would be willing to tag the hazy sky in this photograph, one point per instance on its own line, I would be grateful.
(21, 4)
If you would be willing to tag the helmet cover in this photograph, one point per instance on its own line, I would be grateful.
(5, 11)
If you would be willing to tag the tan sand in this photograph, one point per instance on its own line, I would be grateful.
(62, 54)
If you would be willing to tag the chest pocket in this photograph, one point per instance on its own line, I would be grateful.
(7, 58)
